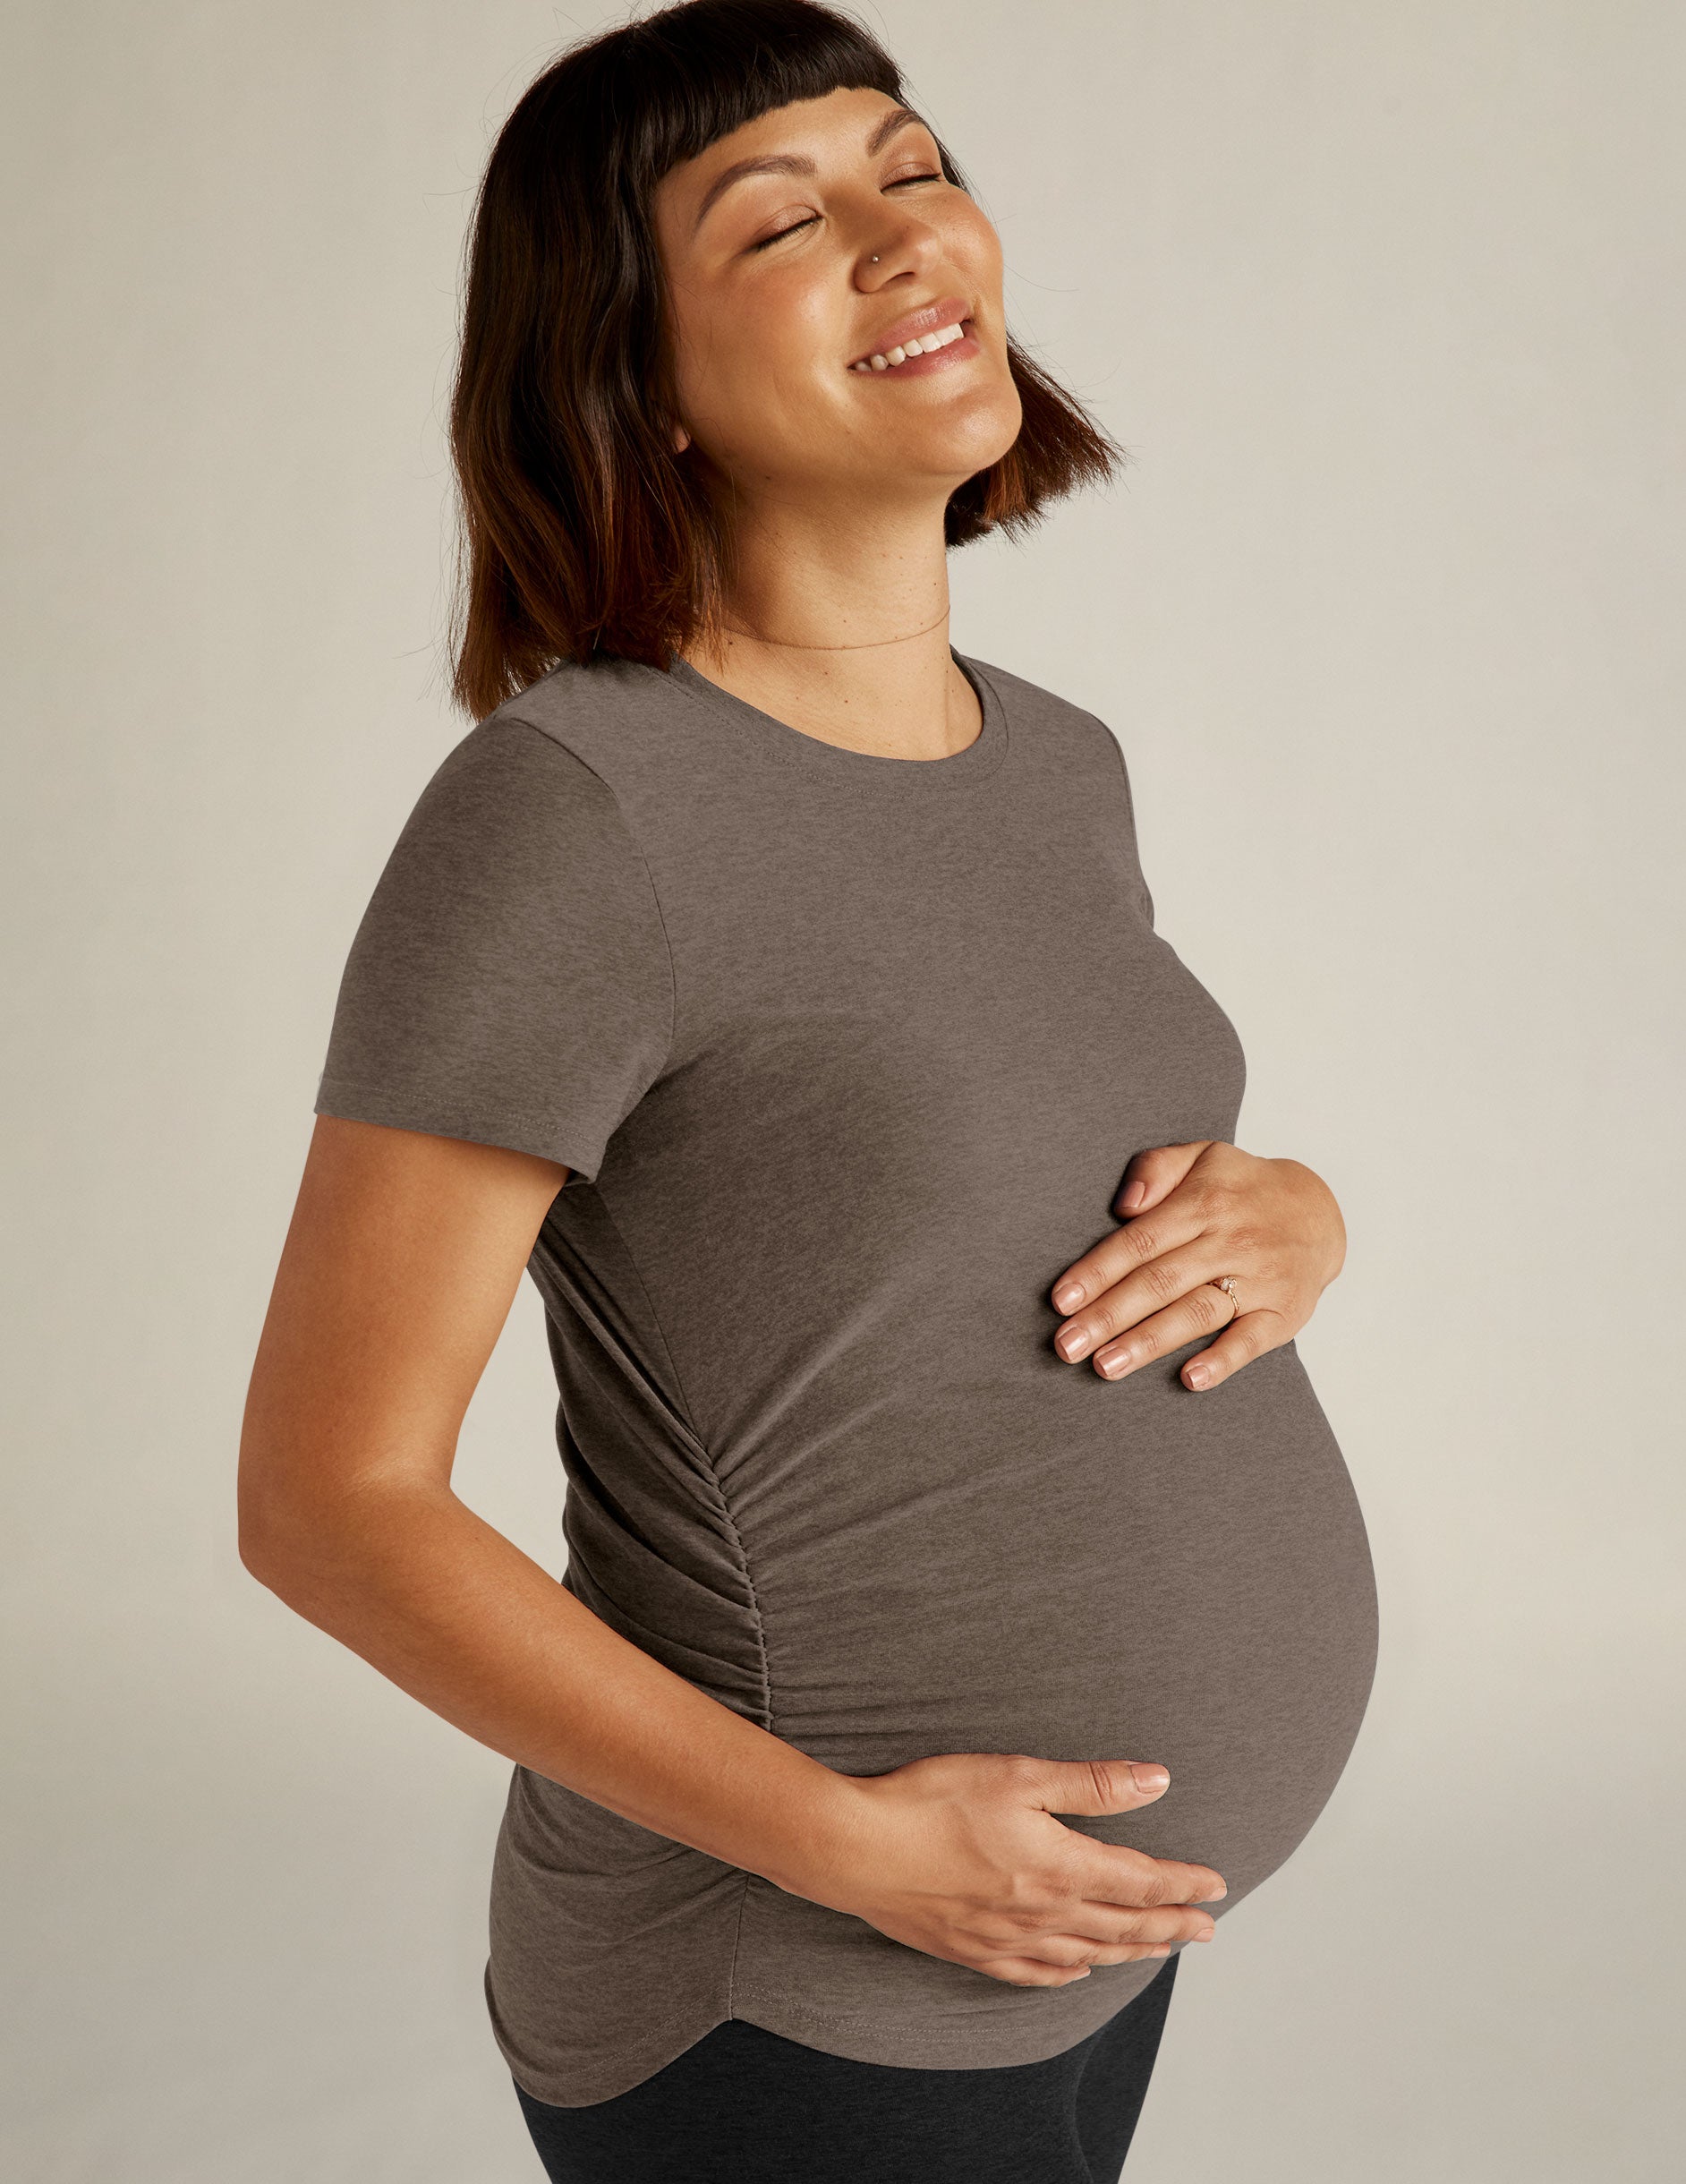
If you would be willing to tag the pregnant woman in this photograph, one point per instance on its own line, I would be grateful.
(966, 1602)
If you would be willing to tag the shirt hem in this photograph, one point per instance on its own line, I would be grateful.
(349, 1101)
(967, 2042)
(983, 2042)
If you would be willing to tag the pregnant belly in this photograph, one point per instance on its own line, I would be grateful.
(1085, 1571)
(1035, 1561)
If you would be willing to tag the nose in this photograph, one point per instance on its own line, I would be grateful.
(894, 249)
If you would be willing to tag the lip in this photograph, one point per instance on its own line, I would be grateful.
(948, 311)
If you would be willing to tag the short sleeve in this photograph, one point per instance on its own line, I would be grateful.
(509, 982)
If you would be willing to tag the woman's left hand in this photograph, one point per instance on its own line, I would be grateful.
(1145, 1289)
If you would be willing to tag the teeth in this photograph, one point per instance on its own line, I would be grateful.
(891, 358)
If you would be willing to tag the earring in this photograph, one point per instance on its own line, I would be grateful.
(874, 261)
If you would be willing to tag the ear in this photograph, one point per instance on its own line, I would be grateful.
(681, 439)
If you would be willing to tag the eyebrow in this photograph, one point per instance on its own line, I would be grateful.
(791, 163)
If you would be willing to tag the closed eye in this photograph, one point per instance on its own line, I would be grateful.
(796, 227)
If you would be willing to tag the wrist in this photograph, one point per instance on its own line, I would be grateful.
(1327, 1211)
(822, 1838)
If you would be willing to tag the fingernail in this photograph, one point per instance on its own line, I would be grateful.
(1198, 1375)
(1068, 1296)
(1134, 1195)
(1149, 1775)
(1072, 1344)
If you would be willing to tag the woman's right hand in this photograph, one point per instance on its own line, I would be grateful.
(960, 1855)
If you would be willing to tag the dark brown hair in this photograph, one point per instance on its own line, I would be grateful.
(583, 532)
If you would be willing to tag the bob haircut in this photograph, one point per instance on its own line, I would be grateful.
(583, 531)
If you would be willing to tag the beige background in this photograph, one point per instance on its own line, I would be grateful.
(1387, 302)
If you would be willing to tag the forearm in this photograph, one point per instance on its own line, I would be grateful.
(455, 1614)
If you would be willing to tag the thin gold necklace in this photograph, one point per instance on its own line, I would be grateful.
(871, 644)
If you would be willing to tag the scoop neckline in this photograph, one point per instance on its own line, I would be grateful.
(863, 770)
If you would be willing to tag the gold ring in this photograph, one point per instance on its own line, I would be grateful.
(1226, 1283)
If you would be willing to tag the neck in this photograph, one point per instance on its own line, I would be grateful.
(838, 626)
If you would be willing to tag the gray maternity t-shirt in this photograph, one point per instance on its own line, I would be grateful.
(846, 1056)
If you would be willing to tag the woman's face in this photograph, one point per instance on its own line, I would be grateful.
(795, 249)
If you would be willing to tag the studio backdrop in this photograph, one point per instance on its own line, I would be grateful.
(1386, 304)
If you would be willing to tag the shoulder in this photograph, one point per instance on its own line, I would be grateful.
(522, 805)
(1063, 731)
(566, 755)
(618, 718)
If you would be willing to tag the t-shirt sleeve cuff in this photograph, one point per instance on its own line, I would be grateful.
(576, 1146)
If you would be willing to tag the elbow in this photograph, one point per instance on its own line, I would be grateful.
(254, 1553)
(309, 1548)
(259, 1537)
(293, 1556)
(280, 1510)
(277, 1539)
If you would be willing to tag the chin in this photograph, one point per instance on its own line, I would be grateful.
(970, 437)
(991, 432)
(962, 455)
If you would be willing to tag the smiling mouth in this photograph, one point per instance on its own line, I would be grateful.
(903, 352)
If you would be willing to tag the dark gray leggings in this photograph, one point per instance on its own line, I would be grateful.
(745, 2106)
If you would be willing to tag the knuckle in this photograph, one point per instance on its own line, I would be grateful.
(1220, 1201)
(1258, 1332)
(1107, 1788)
(1099, 1322)
(1022, 1770)
(1005, 1923)
(1164, 1280)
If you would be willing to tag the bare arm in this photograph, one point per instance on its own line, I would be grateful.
(399, 1269)
(398, 1272)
